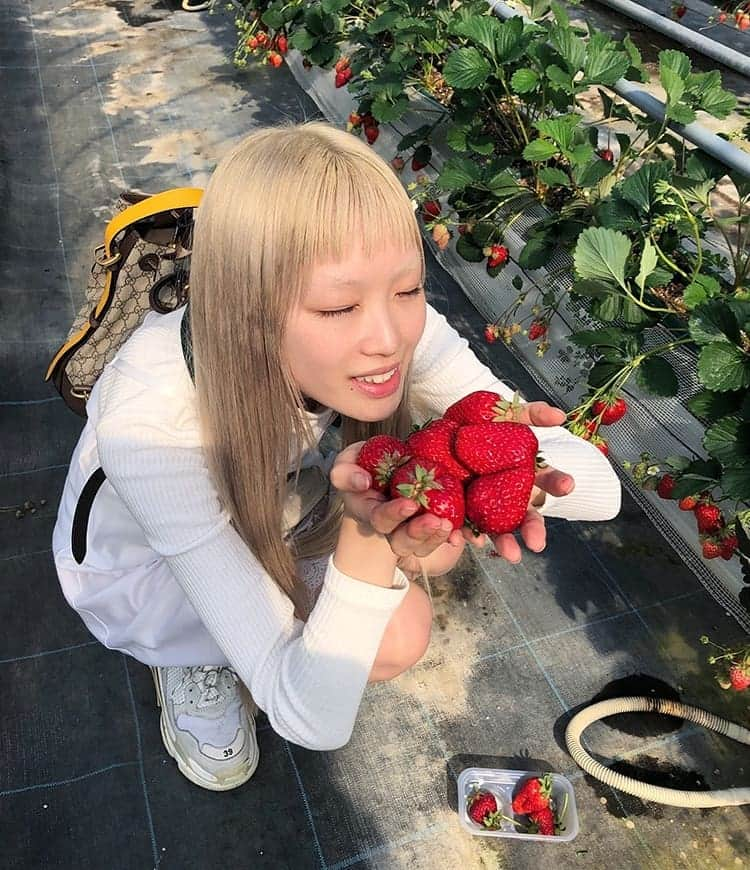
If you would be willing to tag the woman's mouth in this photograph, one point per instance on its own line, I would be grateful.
(381, 385)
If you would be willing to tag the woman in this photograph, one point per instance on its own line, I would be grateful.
(213, 552)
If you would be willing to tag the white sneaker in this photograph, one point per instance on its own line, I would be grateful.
(207, 725)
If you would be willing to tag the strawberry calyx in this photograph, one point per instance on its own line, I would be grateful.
(424, 481)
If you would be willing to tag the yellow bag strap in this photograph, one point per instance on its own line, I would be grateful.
(177, 198)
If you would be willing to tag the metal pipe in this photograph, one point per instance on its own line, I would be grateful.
(728, 154)
(684, 35)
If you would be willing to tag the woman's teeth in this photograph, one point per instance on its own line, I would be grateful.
(377, 379)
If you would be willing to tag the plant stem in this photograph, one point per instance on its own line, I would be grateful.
(672, 265)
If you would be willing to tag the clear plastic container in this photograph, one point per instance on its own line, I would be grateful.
(504, 784)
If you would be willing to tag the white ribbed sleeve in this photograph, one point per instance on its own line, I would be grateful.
(445, 369)
(309, 678)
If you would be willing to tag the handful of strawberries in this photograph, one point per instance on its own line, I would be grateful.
(473, 466)
(533, 800)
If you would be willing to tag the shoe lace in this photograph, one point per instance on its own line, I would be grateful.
(207, 679)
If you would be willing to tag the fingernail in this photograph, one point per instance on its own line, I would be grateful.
(361, 481)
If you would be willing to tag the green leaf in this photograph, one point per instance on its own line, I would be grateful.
(606, 65)
(559, 79)
(482, 144)
(735, 483)
(539, 149)
(272, 18)
(639, 188)
(523, 81)
(466, 69)
(504, 184)
(410, 140)
(553, 177)
(458, 173)
(592, 289)
(723, 367)
(616, 214)
(657, 376)
(484, 233)
(386, 21)
(385, 111)
(717, 102)
(605, 337)
(713, 322)
(481, 29)
(674, 70)
(704, 287)
(455, 136)
(649, 259)
(333, 6)
(728, 440)
(591, 173)
(469, 252)
(536, 253)
(559, 129)
(602, 372)
(572, 48)
(709, 405)
(508, 44)
(680, 113)
(303, 40)
(601, 254)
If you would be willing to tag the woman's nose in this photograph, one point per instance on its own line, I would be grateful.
(381, 334)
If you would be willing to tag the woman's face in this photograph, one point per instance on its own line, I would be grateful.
(350, 340)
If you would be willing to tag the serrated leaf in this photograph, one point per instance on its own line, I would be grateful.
(470, 253)
(602, 372)
(553, 177)
(657, 376)
(303, 40)
(592, 289)
(717, 102)
(591, 173)
(713, 322)
(504, 184)
(674, 70)
(601, 254)
(723, 367)
(484, 233)
(508, 43)
(410, 140)
(649, 259)
(728, 440)
(456, 138)
(616, 214)
(735, 483)
(482, 144)
(560, 130)
(466, 69)
(605, 66)
(539, 150)
(384, 22)
(639, 189)
(458, 173)
(572, 48)
(524, 80)
(703, 288)
(680, 113)
(481, 29)
(385, 111)
(272, 18)
(536, 253)
(605, 337)
(559, 78)
(711, 406)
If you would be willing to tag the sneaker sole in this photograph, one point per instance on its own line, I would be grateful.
(196, 776)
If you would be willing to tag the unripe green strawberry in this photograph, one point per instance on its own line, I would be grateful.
(497, 503)
(432, 488)
(487, 447)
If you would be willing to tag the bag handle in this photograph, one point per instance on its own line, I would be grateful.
(177, 198)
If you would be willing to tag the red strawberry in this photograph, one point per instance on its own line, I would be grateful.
(275, 59)
(722, 17)
(417, 164)
(665, 486)
(342, 77)
(497, 503)
(372, 132)
(545, 822)
(380, 456)
(711, 548)
(497, 255)
(533, 796)
(728, 546)
(252, 42)
(482, 406)
(739, 677)
(482, 809)
(398, 163)
(488, 447)
(601, 444)
(743, 21)
(607, 154)
(431, 209)
(432, 488)
(537, 330)
(688, 503)
(679, 11)
(610, 412)
(435, 442)
(491, 333)
(709, 518)
(341, 64)
(282, 44)
(583, 427)
(354, 119)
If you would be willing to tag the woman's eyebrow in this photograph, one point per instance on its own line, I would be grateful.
(341, 281)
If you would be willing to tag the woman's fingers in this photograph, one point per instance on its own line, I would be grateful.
(533, 534)
(541, 414)
(507, 547)
(420, 536)
(554, 482)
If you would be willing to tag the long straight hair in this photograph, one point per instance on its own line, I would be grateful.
(283, 199)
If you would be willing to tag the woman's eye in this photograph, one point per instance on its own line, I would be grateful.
(337, 312)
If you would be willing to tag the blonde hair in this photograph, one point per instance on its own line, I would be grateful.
(282, 199)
